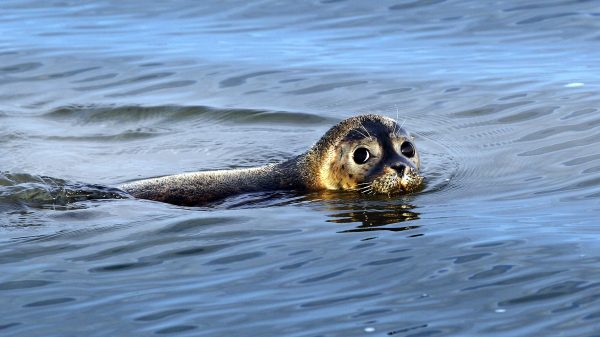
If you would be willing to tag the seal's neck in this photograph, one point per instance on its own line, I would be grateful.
(264, 178)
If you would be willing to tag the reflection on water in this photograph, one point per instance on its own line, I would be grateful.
(503, 100)
(368, 212)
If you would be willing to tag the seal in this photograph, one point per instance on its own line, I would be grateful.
(371, 154)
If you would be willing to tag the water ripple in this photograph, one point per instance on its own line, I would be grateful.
(502, 97)
(133, 114)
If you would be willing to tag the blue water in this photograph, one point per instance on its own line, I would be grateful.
(501, 95)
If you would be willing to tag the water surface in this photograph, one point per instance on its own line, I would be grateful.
(502, 97)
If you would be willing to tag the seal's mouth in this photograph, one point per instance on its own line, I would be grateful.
(393, 183)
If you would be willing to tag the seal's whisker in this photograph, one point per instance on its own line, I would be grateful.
(364, 187)
(396, 124)
(362, 134)
(367, 131)
(366, 190)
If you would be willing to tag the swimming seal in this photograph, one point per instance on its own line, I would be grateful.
(370, 154)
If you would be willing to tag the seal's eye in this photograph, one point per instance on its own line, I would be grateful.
(361, 155)
(407, 149)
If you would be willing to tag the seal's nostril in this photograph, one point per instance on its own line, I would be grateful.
(399, 168)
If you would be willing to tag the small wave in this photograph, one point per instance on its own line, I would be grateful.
(173, 113)
(129, 134)
(20, 67)
(415, 4)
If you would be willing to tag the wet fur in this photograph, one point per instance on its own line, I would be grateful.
(321, 167)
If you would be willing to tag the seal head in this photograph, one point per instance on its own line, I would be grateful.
(372, 154)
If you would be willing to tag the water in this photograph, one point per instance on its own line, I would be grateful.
(501, 95)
